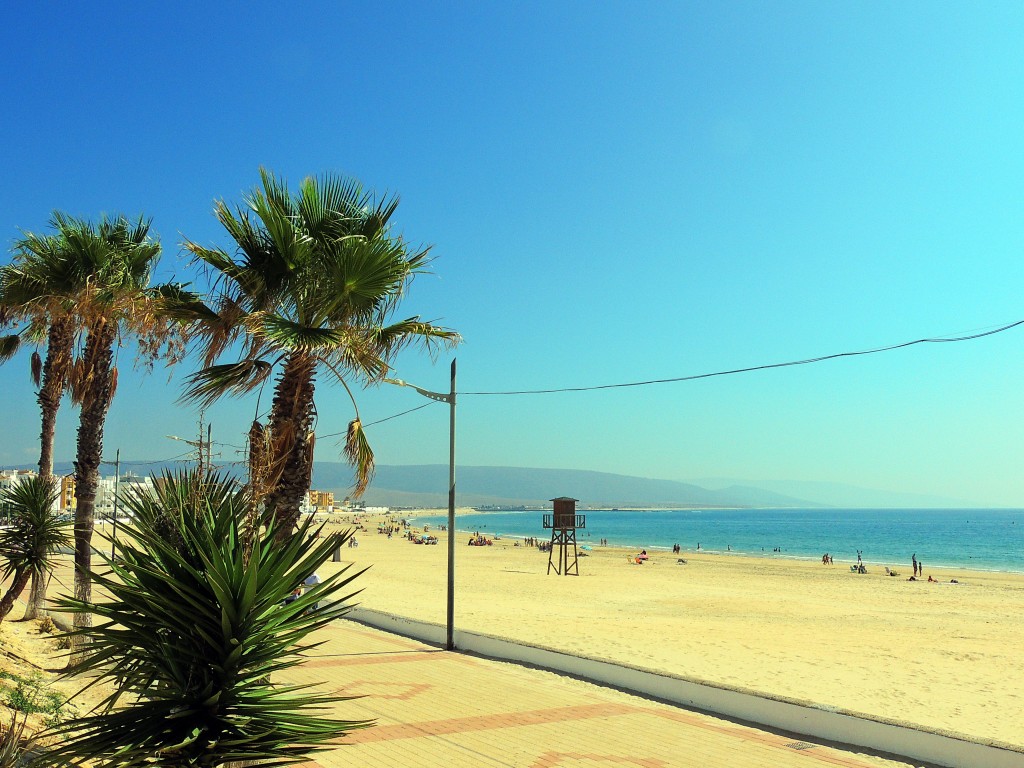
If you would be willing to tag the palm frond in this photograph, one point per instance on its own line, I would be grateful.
(9, 346)
(286, 334)
(209, 384)
(36, 369)
(359, 454)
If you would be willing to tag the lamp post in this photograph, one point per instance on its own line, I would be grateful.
(450, 399)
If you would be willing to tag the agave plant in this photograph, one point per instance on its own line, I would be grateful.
(17, 744)
(35, 534)
(194, 631)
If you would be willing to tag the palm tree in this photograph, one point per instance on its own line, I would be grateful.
(116, 300)
(310, 292)
(38, 292)
(35, 534)
(195, 626)
(39, 289)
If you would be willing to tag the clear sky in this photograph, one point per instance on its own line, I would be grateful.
(614, 192)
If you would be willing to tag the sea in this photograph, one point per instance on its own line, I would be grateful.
(978, 539)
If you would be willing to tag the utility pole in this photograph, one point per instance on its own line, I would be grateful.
(117, 489)
(450, 399)
(203, 446)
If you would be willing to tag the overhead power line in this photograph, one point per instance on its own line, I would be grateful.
(807, 361)
(693, 377)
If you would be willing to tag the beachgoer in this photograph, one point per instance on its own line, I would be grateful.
(920, 569)
(308, 583)
(913, 562)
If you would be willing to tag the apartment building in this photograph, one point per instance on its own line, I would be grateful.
(321, 501)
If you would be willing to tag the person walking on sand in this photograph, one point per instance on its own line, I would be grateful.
(913, 562)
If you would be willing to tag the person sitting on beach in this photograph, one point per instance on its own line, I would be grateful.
(308, 583)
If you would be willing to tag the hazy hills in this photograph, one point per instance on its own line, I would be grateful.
(427, 486)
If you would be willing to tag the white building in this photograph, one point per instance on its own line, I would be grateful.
(109, 486)
(10, 478)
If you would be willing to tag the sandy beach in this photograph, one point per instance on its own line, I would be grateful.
(939, 655)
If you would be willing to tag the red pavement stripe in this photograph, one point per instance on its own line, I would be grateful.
(381, 637)
(485, 722)
(553, 759)
(354, 661)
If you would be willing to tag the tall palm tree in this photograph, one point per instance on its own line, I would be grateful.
(116, 300)
(310, 291)
(39, 289)
(35, 534)
(38, 292)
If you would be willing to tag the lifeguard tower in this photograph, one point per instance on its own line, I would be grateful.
(563, 523)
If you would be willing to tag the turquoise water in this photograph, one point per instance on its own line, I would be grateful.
(983, 539)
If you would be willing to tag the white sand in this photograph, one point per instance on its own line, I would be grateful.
(944, 656)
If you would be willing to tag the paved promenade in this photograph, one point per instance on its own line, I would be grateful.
(439, 709)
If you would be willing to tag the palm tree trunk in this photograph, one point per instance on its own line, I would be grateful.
(95, 399)
(17, 587)
(290, 420)
(55, 372)
(36, 607)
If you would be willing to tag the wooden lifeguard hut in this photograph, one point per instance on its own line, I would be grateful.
(563, 522)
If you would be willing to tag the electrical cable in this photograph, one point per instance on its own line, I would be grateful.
(806, 361)
(378, 421)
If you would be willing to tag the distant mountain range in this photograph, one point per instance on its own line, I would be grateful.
(427, 486)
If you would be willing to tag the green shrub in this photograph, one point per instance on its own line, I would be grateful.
(194, 631)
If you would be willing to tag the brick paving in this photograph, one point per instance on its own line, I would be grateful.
(435, 708)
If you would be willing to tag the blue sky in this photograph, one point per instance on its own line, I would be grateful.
(613, 192)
